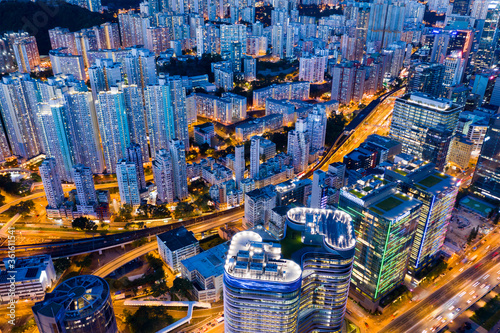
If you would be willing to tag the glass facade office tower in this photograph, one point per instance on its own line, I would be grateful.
(261, 290)
(424, 125)
(487, 176)
(326, 257)
(437, 192)
(385, 222)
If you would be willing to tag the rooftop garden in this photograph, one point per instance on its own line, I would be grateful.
(401, 172)
(356, 193)
(381, 179)
(402, 196)
(389, 203)
(291, 243)
(430, 181)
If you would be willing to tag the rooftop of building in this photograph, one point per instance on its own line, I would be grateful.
(430, 102)
(394, 205)
(41, 260)
(205, 127)
(383, 141)
(256, 121)
(423, 175)
(177, 238)
(331, 229)
(266, 143)
(264, 192)
(367, 185)
(282, 210)
(250, 258)
(78, 297)
(292, 184)
(22, 274)
(381, 196)
(208, 263)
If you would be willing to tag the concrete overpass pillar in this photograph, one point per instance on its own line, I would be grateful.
(122, 246)
(100, 252)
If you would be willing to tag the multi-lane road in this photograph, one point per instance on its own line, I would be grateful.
(375, 118)
(461, 291)
(69, 248)
(118, 262)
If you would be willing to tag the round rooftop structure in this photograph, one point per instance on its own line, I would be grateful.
(335, 226)
(79, 304)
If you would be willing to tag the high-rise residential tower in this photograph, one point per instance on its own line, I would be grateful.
(84, 183)
(134, 155)
(163, 174)
(26, 53)
(298, 146)
(254, 156)
(51, 183)
(18, 99)
(178, 153)
(239, 164)
(113, 126)
(128, 183)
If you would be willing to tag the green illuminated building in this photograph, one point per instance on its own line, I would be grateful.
(385, 222)
(437, 192)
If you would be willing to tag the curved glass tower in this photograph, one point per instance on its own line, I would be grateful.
(261, 290)
(78, 305)
(326, 257)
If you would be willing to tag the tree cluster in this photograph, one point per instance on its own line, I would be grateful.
(148, 319)
(8, 185)
(181, 287)
(185, 210)
(83, 223)
(23, 208)
(473, 234)
(125, 214)
(148, 211)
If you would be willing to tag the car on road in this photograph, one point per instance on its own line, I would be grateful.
(472, 292)
(486, 276)
(475, 296)
(476, 284)
(482, 286)
(469, 301)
